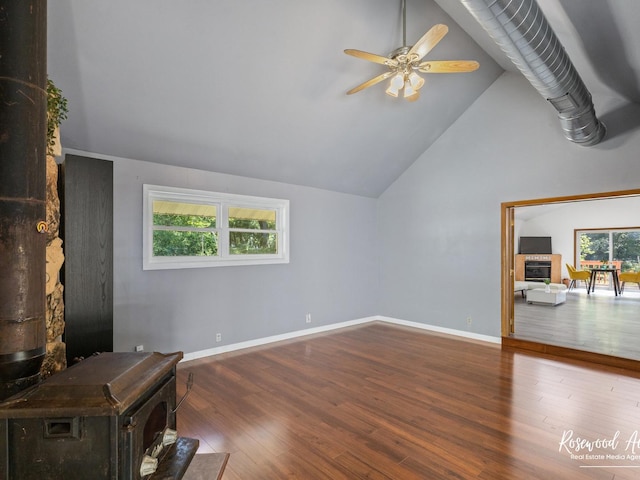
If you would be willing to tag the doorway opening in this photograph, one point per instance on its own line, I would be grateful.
(508, 325)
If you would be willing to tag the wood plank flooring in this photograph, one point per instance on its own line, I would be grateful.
(386, 402)
(599, 322)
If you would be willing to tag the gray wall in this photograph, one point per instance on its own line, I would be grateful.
(426, 251)
(332, 273)
(439, 223)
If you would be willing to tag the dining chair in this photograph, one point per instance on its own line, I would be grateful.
(633, 277)
(577, 275)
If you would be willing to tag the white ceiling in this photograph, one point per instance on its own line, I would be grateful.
(257, 87)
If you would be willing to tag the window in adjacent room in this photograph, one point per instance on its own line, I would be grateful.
(192, 228)
(616, 247)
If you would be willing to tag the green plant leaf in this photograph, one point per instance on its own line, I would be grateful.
(57, 111)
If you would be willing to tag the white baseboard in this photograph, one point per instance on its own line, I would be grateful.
(448, 331)
(310, 331)
(275, 338)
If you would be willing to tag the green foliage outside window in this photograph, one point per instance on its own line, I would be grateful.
(594, 246)
(174, 242)
(624, 247)
(178, 220)
(250, 243)
(169, 243)
(257, 240)
(178, 242)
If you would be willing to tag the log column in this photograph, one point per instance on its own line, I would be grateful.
(23, 107)
(56, 357)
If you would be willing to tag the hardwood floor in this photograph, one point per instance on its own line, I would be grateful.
(599, 322)
(386, 402)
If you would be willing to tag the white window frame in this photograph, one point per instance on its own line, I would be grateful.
(223, 201)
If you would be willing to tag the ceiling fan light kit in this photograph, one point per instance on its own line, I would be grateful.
(406, 61)
(396, 83)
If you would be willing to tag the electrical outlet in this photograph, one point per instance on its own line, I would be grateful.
(139, 348)
(469, 320)
(218, 337)
(307, 318)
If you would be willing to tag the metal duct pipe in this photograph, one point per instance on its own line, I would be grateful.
(521, 30)
(23, 132)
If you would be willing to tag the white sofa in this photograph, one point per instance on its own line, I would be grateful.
(523, 286)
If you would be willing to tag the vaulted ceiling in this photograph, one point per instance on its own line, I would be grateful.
(258, 87)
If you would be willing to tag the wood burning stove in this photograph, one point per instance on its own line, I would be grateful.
(111, 416)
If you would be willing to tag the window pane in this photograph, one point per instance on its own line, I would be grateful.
(252, 243)
(594, 246)
(172, 243)
(182, 229)
(252, 218)
(183, 214)
(626, 249)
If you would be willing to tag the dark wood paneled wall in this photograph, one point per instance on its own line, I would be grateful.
(87, 231)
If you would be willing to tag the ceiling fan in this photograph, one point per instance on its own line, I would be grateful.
(405, 62)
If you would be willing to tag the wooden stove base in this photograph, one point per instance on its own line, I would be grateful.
(207, 466)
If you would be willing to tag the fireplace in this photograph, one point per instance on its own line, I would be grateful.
(535, 268)
(537, 271)
(112, 416)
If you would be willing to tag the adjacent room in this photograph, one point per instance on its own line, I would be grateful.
(266, 240)
(597, 304)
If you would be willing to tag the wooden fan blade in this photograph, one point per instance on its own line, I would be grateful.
(369, 83)
(372, 57)
(428, 41)
(448, 66)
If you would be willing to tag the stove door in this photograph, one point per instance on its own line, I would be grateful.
(142, 429)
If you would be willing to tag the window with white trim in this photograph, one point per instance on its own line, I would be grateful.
(186, 228)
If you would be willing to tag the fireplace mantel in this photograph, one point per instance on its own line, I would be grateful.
(556, 265)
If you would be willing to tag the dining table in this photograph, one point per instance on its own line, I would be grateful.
(614, 278)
